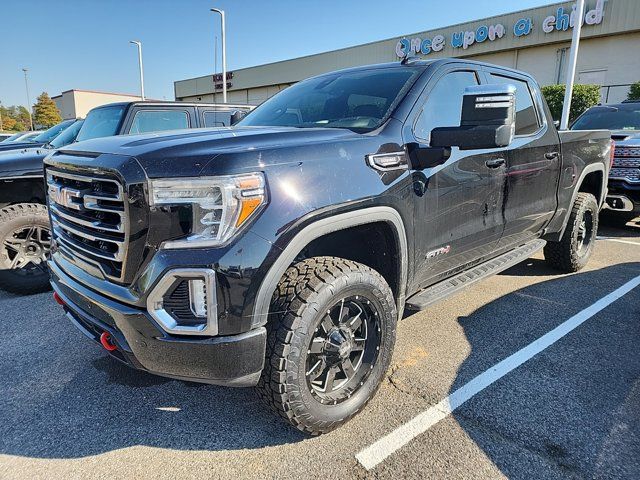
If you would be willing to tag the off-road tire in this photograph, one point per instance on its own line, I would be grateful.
(305, 292)
(11, 218)
(566, 255)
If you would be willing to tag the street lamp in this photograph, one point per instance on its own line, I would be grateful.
(139, 45)
(224, 56)
(26, 84)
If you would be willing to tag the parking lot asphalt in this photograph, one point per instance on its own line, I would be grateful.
(67, 410)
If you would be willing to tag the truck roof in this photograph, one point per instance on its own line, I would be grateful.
(170, 103)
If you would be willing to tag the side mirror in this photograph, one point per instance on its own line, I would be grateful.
(421, 157)
(237, 115)
(488, 119)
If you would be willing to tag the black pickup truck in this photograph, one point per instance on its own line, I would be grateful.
(24, 222)
(40, 140)
(623, 119)
(282, 252)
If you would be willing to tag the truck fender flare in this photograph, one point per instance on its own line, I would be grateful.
(323, 227)
(594, 167)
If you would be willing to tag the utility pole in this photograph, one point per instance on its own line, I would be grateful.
(224, 55)
(571, 67)
(26, 84)
(1, 128)
(139, 45)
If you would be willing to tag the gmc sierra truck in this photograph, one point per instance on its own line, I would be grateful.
(24, 221)
(623, 119)
(281, 253)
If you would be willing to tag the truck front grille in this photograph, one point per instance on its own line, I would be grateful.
(88, 217)
(627, 174)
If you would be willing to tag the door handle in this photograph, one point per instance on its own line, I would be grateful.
(551, 155)
(495, 162)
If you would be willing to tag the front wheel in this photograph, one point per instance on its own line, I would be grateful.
(330, 342)
(25, 241)
(573, 251)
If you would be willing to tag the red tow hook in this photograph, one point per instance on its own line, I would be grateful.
(105, 340)
(58, 299)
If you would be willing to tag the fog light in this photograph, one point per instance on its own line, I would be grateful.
(198, 298)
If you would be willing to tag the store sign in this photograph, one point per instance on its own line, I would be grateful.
(217, 80)
(562, 20)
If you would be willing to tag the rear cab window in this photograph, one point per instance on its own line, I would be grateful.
(147, 121)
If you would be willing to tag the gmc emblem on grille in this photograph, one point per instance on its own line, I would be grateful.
(65, 196)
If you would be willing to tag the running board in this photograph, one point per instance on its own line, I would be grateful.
(446, 288)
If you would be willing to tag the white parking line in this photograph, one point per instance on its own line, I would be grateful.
(381, 449)
(609, 239)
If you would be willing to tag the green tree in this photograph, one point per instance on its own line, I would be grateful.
(634, 92)
(584, 97)
(45, 112)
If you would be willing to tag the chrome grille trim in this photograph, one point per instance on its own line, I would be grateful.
(89, 220)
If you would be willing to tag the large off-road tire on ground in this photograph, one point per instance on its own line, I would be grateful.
(25, 241)
(329, 343)
(573, 251)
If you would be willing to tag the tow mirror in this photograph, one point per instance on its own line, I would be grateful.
(487, 120)
(237, 115)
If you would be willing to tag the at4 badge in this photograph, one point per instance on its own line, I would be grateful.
(439, 251)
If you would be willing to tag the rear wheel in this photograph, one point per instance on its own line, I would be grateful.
(330, 343)
(573, 251)
(25, 241)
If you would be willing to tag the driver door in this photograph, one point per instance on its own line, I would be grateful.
(458, 205)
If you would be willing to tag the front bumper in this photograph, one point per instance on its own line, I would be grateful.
(234, 360)
(623, 197)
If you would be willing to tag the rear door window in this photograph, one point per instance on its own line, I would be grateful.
(527, 121)
(147, 121)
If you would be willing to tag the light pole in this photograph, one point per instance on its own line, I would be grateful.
(139, 45)
(1, 129)
(571, 68)
(224, 56)
(26, 84)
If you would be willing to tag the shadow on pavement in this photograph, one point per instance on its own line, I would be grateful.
(574, 409)
(61, 396)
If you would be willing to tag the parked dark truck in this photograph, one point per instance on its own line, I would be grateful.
(24, 221)
(623, 119)
(282, 252)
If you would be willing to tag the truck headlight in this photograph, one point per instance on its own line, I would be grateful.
(220, 205)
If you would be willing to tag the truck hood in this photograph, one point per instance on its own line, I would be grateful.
(18, 146)
(25, 162)
(626, 137)
(192, 150)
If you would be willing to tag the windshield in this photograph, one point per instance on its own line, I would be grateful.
(609, 118)
(67, 136)
(101, 122)
(360, 101)
(53, 132)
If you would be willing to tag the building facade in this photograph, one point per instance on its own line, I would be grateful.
(77, 103)
(535, 40)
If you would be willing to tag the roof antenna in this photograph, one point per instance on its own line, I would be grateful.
(407, 59)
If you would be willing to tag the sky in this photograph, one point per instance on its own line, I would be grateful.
(84, 44)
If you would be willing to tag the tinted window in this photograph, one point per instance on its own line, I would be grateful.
(67, 136)
(13, 137)
(443, 107)
(101, 122)
(217, 119)
(146, 121)
(609, 118)
(54, 131)
(360, 100)
(526, 116)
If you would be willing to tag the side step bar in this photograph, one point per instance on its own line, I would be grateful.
(446, 288)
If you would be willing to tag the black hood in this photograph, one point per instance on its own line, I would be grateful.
(19, 145)
(193, 150)
(25, 162)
